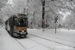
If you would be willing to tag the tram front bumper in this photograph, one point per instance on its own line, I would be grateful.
(22, 34)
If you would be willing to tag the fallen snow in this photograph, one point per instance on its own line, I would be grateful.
(39, 40)
(62, 40)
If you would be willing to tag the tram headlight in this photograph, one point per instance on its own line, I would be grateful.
(22, 30)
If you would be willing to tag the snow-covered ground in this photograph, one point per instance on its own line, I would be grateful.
(38, 40)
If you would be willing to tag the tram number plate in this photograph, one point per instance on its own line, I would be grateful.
(22, 30)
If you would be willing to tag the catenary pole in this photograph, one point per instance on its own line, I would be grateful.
(43, 14)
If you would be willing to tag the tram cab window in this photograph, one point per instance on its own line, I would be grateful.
(21, 21)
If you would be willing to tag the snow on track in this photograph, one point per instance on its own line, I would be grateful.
(36, 40)
(7, 42)
(65, 44)
(50, 44)
(32, 45)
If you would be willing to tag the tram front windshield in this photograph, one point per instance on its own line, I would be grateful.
(21, 22)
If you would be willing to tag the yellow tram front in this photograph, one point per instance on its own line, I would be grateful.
(20, 26)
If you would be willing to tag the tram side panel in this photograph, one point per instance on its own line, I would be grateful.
(8, 26)
(11, 25)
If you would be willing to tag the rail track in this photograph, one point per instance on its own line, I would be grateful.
(34, 41)
(41, 43)
(20, 44)
(51, 40)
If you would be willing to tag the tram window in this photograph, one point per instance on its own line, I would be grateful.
(15, 21)
(21, 21)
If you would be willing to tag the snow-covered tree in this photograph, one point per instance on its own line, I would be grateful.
(64, 9)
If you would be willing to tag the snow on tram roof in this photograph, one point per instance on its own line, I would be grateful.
(20, 15)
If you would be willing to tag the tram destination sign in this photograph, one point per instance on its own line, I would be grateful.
(21, 15)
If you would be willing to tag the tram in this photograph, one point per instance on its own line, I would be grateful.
(16, 25)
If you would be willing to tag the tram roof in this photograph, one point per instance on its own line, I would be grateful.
(20, 15)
